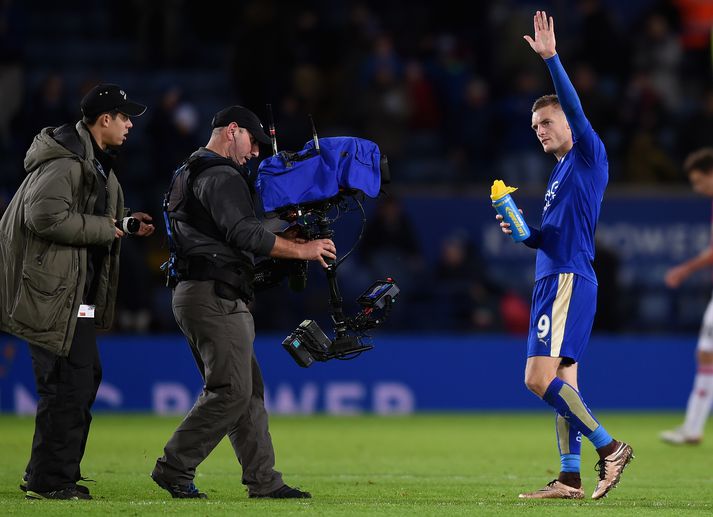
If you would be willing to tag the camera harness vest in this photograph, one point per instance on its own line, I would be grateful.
(181, 204)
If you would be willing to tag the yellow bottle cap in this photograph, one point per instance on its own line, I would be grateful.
(499, 190)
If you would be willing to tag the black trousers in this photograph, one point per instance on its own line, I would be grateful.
(67, 388)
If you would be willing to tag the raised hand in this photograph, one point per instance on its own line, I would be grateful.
(544, 42)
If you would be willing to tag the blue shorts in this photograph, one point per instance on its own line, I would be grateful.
(561, 317)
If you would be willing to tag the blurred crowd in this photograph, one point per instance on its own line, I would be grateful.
(445, 94)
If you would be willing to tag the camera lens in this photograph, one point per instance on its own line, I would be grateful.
(129, 225)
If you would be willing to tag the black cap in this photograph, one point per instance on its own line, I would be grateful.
(108, 97)
(243, 117)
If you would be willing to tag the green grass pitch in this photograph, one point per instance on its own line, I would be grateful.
(433, 464)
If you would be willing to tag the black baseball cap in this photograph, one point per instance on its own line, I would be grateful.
(108, 97)
(243, 117)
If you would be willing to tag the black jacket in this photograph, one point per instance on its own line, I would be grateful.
(227, 198)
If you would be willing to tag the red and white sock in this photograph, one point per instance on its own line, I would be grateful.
(699, 402)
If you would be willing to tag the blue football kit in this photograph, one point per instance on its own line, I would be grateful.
(565, 292)
(564, 298)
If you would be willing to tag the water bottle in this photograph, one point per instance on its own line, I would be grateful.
(505, 206)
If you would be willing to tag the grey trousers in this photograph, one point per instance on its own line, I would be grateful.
(221, 333)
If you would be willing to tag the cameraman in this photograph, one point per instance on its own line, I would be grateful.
(215, 236)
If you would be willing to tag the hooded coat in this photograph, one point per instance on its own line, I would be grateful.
(44, 235)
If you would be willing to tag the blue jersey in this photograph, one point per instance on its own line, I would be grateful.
(565, 242)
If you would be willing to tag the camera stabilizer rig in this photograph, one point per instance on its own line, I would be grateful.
(308, 343)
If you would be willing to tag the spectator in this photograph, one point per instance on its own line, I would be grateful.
(389, 242)
(599, 38)
(385, 112)
(696, 130)
(172, 130)
(160, 33)
(11, 65)
(474, 133)
(521, 163)
(696, 22)
(658, 52)
(609, 299)
(466, 297)
(47, 107)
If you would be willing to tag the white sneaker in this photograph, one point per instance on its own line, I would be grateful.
(678, 437)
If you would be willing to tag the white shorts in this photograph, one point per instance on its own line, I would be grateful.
(705, 338)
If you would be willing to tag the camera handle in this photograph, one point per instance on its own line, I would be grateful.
(335, 298)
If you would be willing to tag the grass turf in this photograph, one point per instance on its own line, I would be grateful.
(465, 464)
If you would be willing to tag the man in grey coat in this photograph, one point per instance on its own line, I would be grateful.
(59, 250)
(216, 236)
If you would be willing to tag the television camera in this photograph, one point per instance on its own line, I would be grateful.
(313, 188)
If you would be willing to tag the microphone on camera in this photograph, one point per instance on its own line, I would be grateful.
(128, 225)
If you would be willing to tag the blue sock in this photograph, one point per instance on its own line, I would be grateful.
(570, 463)
(569, 443)
(600, 437)
(568, 403)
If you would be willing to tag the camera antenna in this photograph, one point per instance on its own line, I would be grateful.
(271, 125)
(314, 133)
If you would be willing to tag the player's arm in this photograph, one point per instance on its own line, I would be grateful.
(545, 45)
(535, 238)
(676, 275)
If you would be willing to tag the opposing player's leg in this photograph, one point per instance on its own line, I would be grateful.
(701, 397)
(699, 408)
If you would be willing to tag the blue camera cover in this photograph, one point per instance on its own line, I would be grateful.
(309, 176)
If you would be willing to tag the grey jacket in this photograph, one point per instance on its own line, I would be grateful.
(44, 234)
(227, 198)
